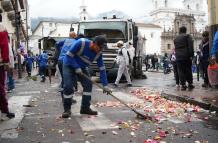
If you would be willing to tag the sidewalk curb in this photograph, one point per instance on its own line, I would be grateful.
(204, 105)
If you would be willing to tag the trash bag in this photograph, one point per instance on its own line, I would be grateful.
(213, 74)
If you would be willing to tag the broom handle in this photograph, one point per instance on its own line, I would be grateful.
(98, 85)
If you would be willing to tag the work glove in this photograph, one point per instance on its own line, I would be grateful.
(79, 71)
(107, 90)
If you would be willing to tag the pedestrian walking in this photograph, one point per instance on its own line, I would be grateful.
(146, 61)
(184, 54)
(75, 64)
(166, 68)
(123, 60)
(197, 64)
(43, 63)
(205, 54)
(29, 59)
(157, 60)
(4, 62)
(153, 62)
(175, 68)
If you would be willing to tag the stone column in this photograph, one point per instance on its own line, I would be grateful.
(213, 18)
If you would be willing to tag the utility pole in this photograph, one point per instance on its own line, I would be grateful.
(18, 22)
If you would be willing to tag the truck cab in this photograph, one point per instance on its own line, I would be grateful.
(114, 30)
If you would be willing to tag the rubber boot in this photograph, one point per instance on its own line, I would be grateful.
(67, 108)
(85, 108)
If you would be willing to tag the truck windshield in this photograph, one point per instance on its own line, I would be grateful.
(114, 30)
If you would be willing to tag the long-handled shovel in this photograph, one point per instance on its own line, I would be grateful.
(139, 115)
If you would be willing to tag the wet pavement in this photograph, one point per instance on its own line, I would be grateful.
(40, 119)
(207, 98)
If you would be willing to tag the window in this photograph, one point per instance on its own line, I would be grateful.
(156, 4)
(188, 7)
(168, 46)
(152, 35)
(165, 3)
(114, 30)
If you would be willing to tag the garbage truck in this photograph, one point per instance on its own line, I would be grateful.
(114, 29)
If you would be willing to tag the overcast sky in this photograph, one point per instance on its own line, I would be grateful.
(69, 8)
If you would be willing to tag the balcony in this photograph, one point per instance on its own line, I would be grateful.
(7, 5)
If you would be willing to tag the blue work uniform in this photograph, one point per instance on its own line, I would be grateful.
(60, 44)
(214, 49)
(79, 57)
(65, 47)
(29, 63)
(43, 62)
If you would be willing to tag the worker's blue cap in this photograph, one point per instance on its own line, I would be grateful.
(101, 41)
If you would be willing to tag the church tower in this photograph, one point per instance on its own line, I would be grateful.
(160, 4)
(83, 11)
(193, 4)
(196, 6)
(161, 15)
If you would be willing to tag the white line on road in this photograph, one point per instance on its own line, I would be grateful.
(126, 97)
(28, 92)
(7, 128)
(90, 123)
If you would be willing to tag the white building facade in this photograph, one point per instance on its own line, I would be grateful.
(165, 11)
(7, 10)
(83, 12)
(56, 30)
(152, 35)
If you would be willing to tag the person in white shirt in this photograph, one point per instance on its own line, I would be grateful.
(123, 60)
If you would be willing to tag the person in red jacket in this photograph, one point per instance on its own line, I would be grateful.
(4, 63)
